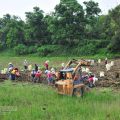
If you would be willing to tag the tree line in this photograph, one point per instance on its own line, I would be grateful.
(70, 27)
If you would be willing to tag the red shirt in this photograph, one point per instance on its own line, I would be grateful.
(49, 75)
(46, 65)
(90, 79)
(37, 74)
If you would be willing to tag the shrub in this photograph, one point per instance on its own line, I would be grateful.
(32, 49)
(88, 49)
(47, 49)
(21, 49)
(102, 43)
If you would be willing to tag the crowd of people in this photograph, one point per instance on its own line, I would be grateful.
(85, 76)
(35, 72)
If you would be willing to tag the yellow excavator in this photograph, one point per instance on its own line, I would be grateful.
(69, 76)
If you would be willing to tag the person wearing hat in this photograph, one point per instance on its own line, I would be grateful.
(90, 79)
(49, 77)
(36, 67)
(106, 61)
(10, 68)
(37, 76)
(33, 72)
(63, 66)
(13, 72)
(46, 64)
(10, 65)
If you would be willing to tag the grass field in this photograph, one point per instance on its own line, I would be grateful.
(40, 102)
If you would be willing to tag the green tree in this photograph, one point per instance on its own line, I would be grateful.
(66, 24)
(35, 27)
(114, 14)
(92, 11)
(15, 35)
(4, 29)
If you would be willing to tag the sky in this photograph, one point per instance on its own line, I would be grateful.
(19, 7)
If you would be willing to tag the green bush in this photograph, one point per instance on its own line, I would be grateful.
(47, 49)
(21, 49)
(32, 49)
(88, 49)
(102, 43)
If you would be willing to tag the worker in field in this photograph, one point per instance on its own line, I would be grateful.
(25, 65)
(99, 61)
(12, 73)
(63, 66)
(33, 72)
(106, 61)
(92, 79)
(49, 77)
(10, 66)
(30, 67)
(37, 76)
(36, 67)
(53, 72)
(17, 73)
(46, 64)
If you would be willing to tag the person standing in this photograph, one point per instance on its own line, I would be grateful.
(49, 77)
(106, 61)
(46, 65)
(10, 68)
(25, 64)
(63, 66)
(36, 67)
(13, 74)
(37, 76)
(33, 72)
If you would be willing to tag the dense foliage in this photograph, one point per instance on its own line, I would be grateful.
(70, 26)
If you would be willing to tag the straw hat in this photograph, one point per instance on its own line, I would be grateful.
(63, 64)
(47, 61)
(9, 63)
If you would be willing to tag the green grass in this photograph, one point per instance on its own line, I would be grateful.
(101, 53)
(40, 102)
